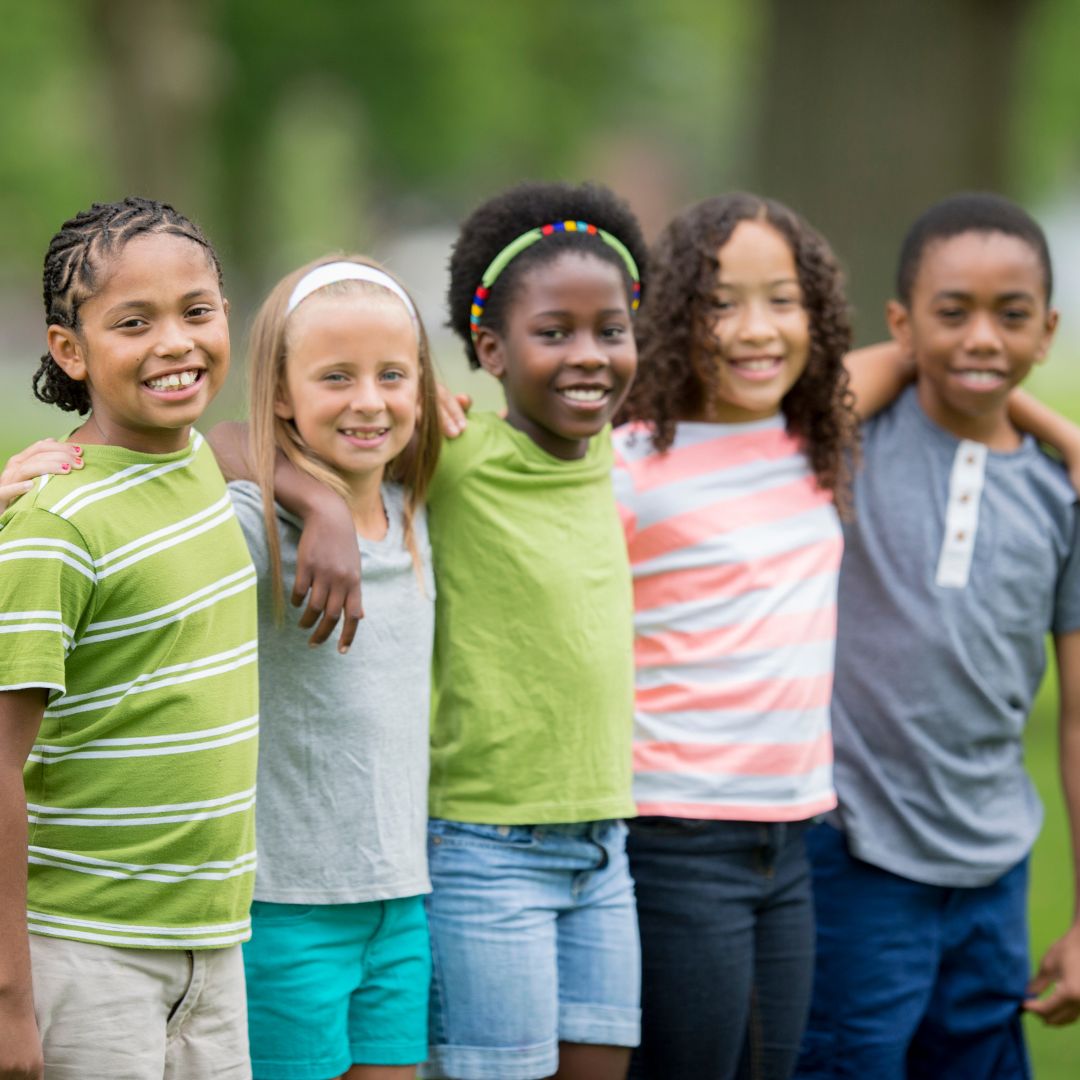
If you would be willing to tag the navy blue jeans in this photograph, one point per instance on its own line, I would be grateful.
(727, 940)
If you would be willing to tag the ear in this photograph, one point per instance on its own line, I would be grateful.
(225, 306)
(66, 349)
(899, 321)
(283, 407)
(1050, 327)
(490, 351)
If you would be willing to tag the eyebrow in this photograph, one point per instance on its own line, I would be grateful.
(959, 294)
(722, 284)
(139, 304)
(606, 313)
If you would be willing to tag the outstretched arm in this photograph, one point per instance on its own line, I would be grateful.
(327, 557)
(20, 1044)
(1059, 972)
(878, 375)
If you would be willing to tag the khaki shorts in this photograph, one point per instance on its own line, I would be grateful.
(139, 1014)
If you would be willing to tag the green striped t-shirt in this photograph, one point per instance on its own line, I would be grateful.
(127, 591)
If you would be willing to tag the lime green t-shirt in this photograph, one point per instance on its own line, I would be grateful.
(533, 670)
(127, 592)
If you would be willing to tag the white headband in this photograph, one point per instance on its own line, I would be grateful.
(329, 273)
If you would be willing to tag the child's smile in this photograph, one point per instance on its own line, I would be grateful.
(977, 323)
(568, 353)
(152, 344)
(760, 327)
(351, 381)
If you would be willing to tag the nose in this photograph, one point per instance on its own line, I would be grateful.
(982, 334)
(755, 324)
(366, 397)
(589, 352)
(175, 339)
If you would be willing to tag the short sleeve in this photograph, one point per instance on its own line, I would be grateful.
(1067, 597)
(248, 506)
(456, 456)
(48, 588)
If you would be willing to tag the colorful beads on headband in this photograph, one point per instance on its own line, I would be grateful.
(527, 239)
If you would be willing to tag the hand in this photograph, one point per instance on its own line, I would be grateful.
(20, 1044)
(1060, 969)
(453, 412)
(44, 456)
(328, 574)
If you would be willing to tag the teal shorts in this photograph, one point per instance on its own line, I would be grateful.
(335, 985)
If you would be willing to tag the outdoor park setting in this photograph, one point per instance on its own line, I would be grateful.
(287, 131)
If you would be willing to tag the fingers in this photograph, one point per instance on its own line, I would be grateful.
(44, 456)
(452, 412)
(354, 612)
(10, 492)
(1057, 1009)
(316, 604)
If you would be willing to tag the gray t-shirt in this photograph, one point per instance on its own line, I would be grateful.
(959, 561)
(341, 807)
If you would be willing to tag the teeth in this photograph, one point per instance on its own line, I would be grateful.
(580, 393)
(756, 365)
(356, 433)
(175, 381)
(982, 376)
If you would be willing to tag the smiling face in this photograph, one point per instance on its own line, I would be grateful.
(152, 344)
(567, 353)
(352, 381)
(977, 322)
(761, 329)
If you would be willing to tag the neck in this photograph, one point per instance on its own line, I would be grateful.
(992, 427)
(365, 502)
(95, 432)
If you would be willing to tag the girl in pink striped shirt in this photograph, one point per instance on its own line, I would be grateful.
(729, 478)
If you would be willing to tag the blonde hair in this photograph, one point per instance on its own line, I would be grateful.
(269, 433)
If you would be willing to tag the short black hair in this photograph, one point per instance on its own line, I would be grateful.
(502, 219)
(969, 211)
(74, 265)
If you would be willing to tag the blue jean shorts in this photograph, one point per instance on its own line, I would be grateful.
(534, 942)
(335, 985)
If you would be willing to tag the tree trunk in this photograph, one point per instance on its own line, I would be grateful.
(873, 110)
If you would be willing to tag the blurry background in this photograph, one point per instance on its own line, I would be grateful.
(290, 129)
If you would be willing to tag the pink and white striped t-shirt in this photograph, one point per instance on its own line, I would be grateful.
(735, 552)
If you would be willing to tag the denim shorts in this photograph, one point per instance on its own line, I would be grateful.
(335, 985)
(534, 942)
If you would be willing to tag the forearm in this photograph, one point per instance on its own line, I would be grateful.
(1070, 782)
(15, 983)
(1029, 414)
(229, 441)
(878, 375)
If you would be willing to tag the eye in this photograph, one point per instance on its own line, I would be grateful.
(335, 377)
(786, 301)
(613, 332)
(950, 314)
(722, 305)
(199, 311)
(1015, 316)
(132, 322)
(551, 333)
(392, 376)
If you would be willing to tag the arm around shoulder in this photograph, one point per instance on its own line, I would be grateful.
(878, 375)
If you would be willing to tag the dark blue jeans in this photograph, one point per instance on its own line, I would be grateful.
(914, 981)
(727, 941)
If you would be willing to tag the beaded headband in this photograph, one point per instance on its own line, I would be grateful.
(527, 239)
(331, 273)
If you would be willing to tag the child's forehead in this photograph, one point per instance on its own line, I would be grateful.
(978, 262)
(157, 260)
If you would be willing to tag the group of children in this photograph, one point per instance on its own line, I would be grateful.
(564, 631)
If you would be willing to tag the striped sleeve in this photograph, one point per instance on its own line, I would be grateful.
(48, 585)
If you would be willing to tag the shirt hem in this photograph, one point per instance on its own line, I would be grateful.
(418, 887)
(533, 813)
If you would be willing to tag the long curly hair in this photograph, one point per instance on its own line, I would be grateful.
(675, 379)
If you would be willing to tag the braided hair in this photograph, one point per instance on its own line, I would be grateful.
(673, 333)
(75, 267)
(500, 220)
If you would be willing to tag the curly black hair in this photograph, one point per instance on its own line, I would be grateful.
(674, 335)
(74, 267)
(502, 219)
(969, 211)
